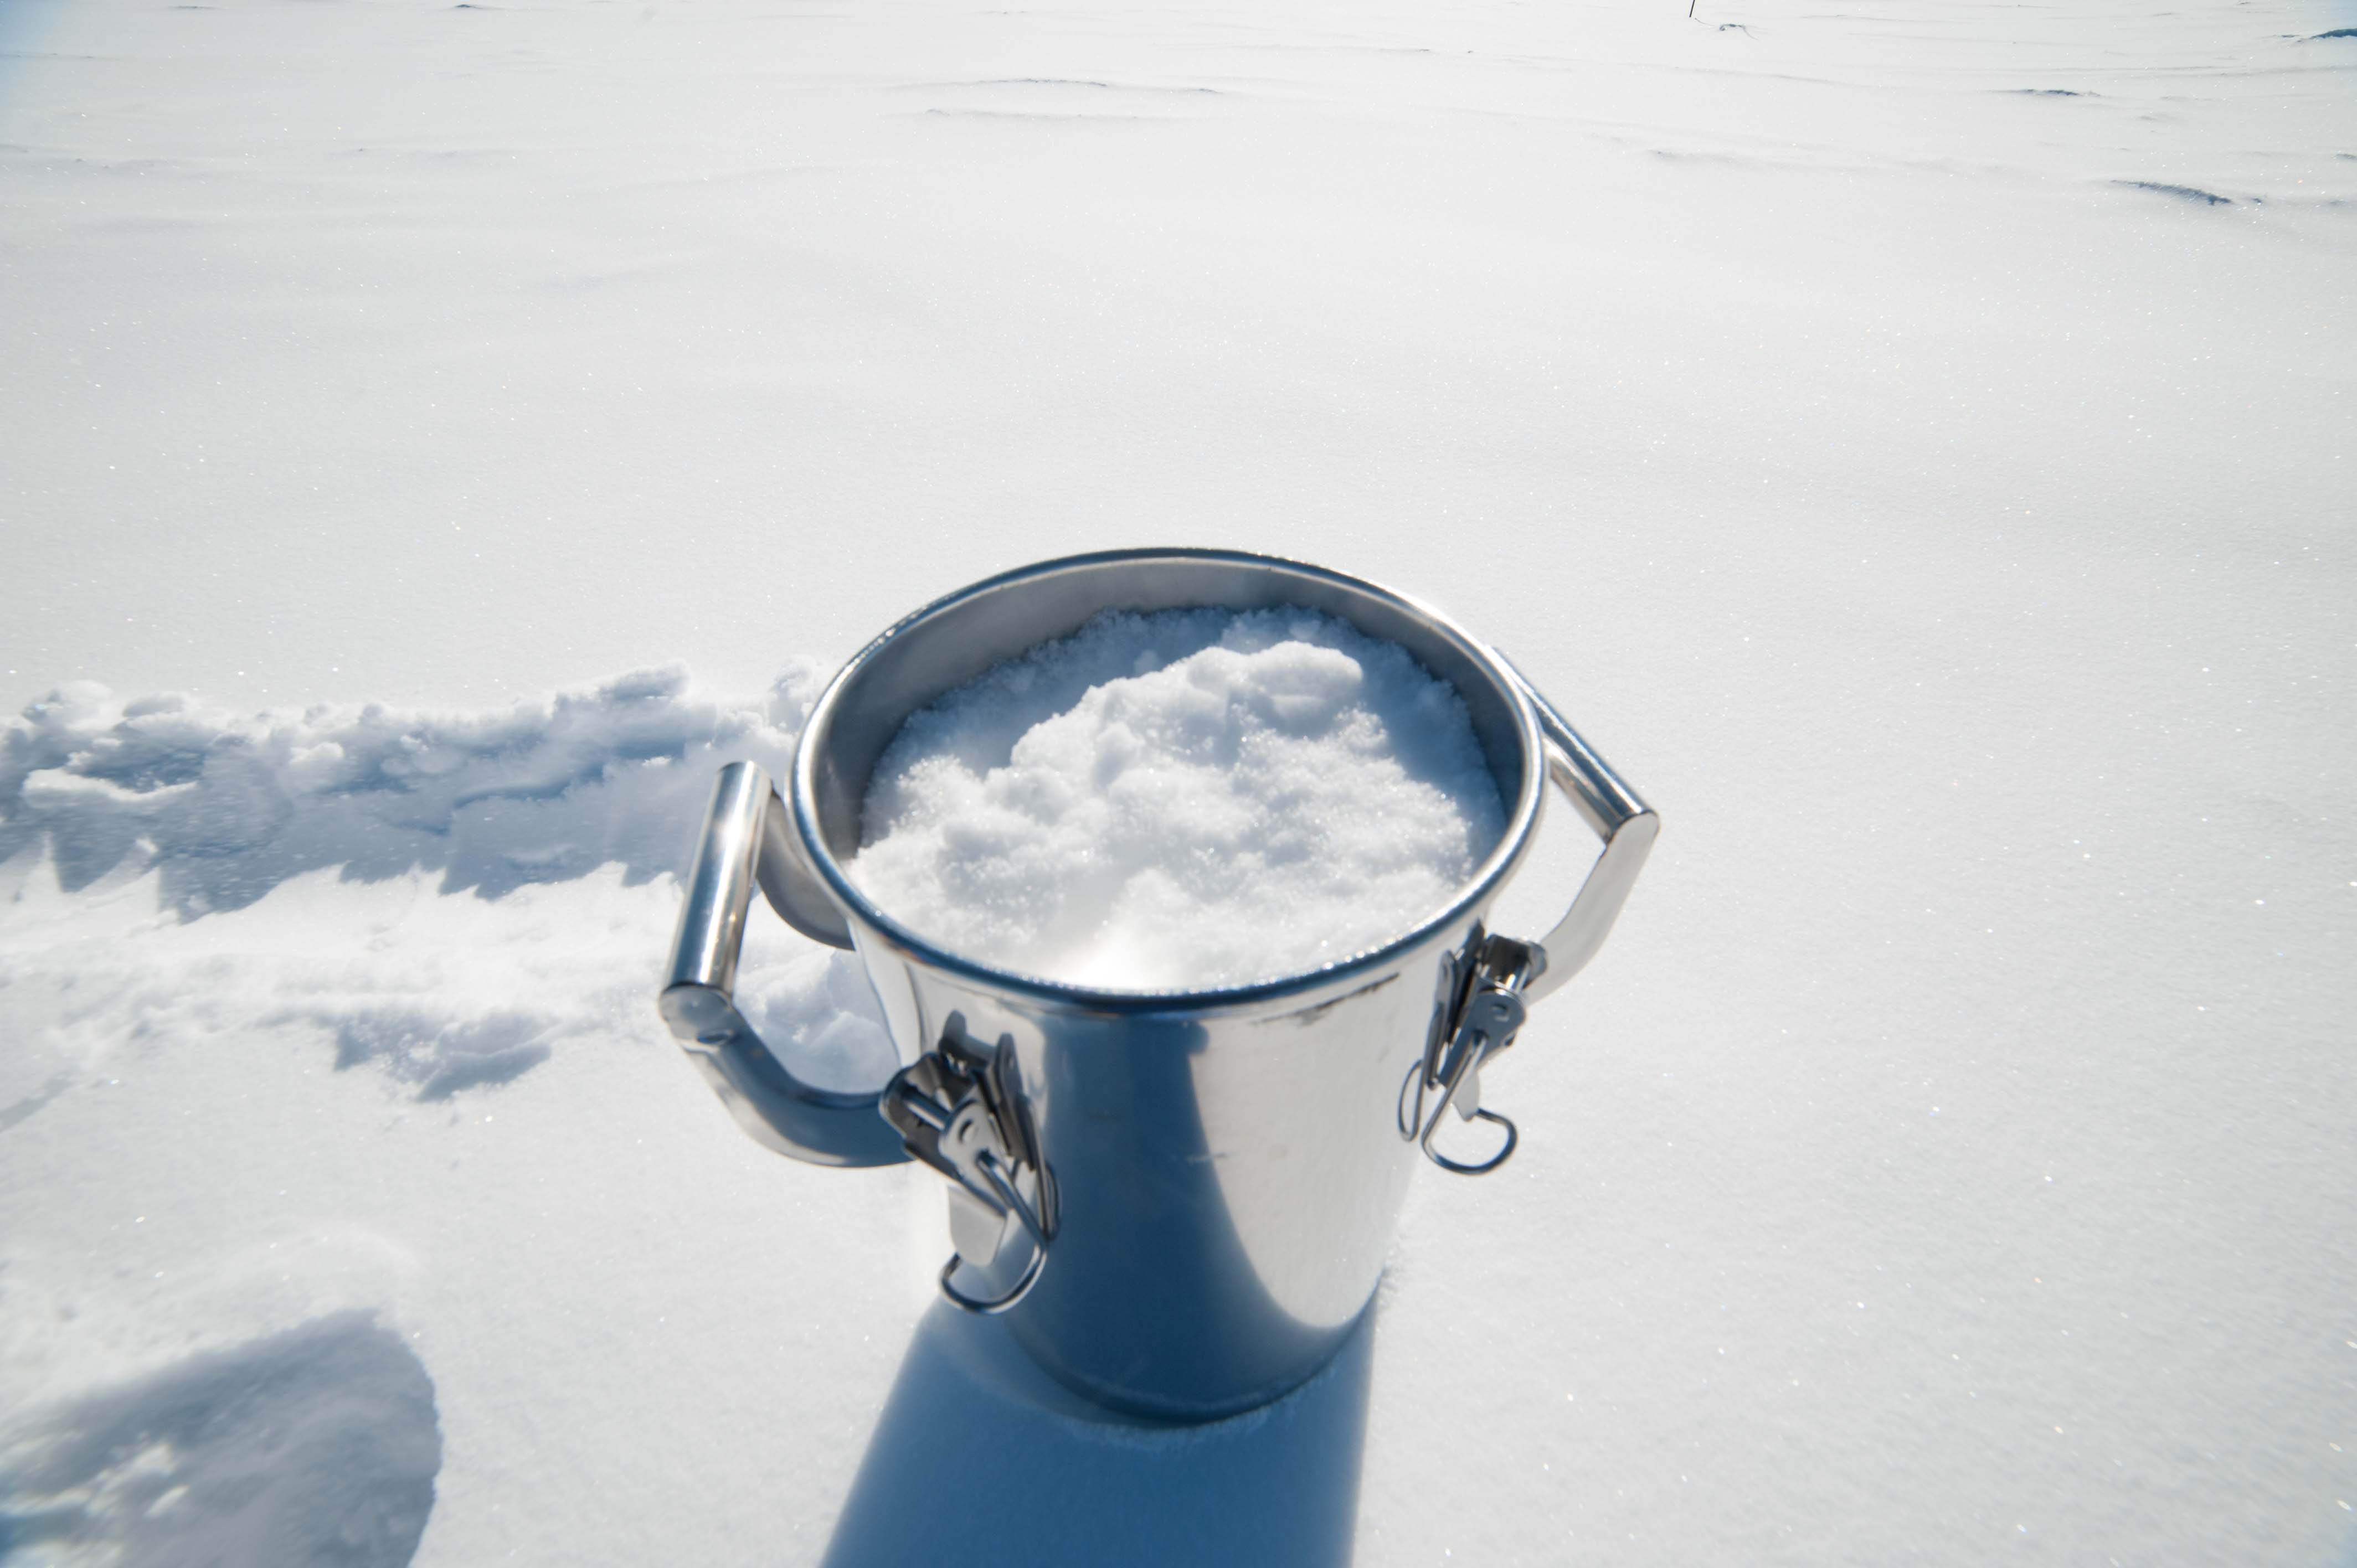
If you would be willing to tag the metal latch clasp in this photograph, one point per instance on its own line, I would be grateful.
(960, 1108)
(1479, 1012)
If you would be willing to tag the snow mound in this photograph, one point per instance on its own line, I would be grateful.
(1182, 801)
(228, 807)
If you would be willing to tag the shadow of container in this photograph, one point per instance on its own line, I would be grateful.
(981, 1458)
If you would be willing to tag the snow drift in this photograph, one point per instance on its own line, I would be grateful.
(603, 786)
(226, 806)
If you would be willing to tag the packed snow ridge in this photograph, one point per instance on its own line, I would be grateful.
(293, 856)
(1182, 801)
(227, 806)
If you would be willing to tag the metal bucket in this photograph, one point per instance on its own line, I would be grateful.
(1182, 1201)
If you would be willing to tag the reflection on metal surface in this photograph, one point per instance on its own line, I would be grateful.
(1294, 1120)
(1228, 1165)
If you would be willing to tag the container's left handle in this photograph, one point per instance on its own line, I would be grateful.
(747, 839)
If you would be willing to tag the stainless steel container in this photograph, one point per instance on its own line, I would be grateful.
(1182, 1200)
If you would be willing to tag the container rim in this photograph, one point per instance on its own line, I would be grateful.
(1522, 817)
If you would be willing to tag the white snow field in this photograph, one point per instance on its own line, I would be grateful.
(1912, 441)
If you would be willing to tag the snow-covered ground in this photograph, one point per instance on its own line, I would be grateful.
(1912, 440)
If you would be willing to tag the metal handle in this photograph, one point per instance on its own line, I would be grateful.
(1618, 816)
(744, 840)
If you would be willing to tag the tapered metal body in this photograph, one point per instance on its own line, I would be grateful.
(1182, 1201)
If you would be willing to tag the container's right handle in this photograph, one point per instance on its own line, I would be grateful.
(1486, 990)
(1618, 816)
